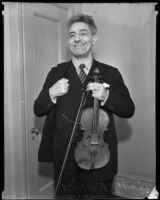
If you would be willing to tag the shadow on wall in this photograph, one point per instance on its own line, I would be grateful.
(123, 129)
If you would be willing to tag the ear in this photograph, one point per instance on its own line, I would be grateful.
(94, 39)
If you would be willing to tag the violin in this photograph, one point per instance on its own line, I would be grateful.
(92, 152)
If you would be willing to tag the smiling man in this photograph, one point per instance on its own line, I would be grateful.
(81, 40)
(60, 99)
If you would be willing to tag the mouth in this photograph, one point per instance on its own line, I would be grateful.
(78, 45)
(79, 48)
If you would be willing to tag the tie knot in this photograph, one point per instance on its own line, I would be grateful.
(82, 66)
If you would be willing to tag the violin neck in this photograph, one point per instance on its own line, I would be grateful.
(95, 115)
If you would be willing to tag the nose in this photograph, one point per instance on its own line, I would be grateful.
(77, 37)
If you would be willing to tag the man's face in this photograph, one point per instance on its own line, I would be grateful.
(80, 39)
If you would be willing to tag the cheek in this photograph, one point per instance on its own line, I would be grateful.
(89, 44)
(90, 41)
(70, 42)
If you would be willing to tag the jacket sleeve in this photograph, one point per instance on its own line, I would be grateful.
(119, 101)
(43, 104)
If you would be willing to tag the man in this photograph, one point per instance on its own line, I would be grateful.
(60, 99)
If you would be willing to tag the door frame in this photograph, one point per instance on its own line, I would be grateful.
(14, 100)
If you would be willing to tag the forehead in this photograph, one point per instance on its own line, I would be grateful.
(79, 26)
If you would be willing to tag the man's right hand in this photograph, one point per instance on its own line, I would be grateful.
(59, 88)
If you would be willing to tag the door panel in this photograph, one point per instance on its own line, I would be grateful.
(45, 38)
(44, 45)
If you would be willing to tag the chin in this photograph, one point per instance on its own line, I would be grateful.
(80, 55)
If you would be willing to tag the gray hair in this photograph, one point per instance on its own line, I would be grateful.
(85, 19)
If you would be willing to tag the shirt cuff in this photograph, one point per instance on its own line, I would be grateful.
(104, 101)
(106, 86)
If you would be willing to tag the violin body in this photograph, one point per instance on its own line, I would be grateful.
(92, 152)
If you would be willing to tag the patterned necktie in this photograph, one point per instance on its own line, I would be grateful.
(82, 74)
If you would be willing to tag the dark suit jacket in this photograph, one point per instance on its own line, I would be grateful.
(119, 103)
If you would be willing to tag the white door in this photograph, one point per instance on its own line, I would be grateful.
(44, 45)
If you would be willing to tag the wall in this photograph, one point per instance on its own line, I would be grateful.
(16, 165)
(126, 40)
(15, 150)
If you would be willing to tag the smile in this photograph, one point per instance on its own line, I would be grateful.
(78, 45)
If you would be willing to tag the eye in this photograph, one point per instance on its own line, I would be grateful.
(71, 35)
(83, 33)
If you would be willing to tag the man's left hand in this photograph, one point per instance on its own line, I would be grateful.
(98, 90)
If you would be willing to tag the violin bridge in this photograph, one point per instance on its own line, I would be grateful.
(94, 139)
(94, 142)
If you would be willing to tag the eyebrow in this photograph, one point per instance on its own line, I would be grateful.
(82, 30)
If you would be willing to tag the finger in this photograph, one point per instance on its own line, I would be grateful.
(65, 80)
(90, 84)
(95, 96)
(64, 90)
(92, 87)
(66, 85)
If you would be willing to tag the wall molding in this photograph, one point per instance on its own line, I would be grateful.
(15, 154)
(8, 103)
(132, 187)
